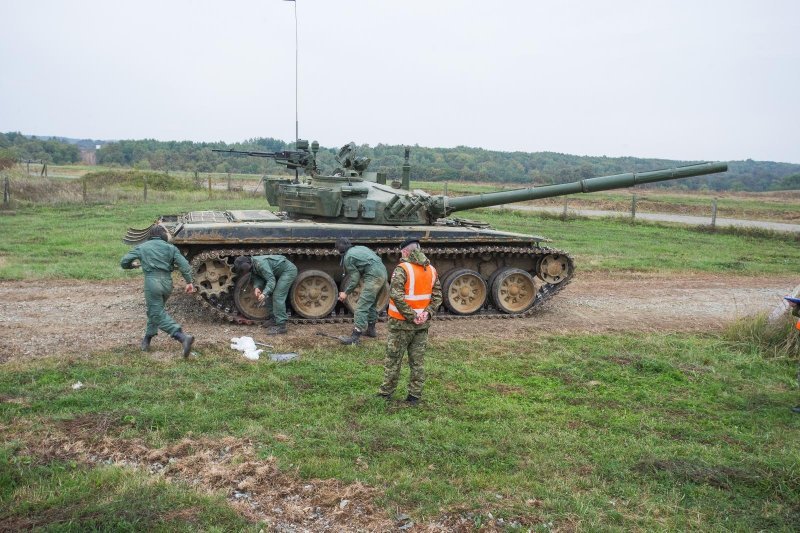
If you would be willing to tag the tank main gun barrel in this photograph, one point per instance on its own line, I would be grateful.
(443, 206)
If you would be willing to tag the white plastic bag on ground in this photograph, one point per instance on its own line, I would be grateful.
(247, 346)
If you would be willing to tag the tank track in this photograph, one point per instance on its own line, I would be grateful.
(225, 309)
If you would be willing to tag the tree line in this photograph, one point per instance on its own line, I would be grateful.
(428, 164)
(17, 147)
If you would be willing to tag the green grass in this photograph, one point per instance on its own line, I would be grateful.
(599, 431)
(84, 241)
(64, 496)
(619, 245)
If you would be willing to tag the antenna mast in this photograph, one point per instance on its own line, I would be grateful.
(296, 120)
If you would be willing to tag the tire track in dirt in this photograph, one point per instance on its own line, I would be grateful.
(43, 318)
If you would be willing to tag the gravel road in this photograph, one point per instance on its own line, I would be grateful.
(664, 217)
(40, 319)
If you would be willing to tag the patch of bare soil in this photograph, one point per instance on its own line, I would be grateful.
(255, 487)
(46, 318)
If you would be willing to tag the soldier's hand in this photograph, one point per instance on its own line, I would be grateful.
(136, 264)
(189, 288)
(257, 293)
(342, 296)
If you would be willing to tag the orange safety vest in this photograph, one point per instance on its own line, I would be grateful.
(419, 286)
(797, 324)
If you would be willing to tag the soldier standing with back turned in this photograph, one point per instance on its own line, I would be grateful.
(361, 262)
(415, 295)
(157, 258)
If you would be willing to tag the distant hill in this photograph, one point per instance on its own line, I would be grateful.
(428, 164)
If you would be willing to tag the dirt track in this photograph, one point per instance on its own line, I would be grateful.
(40, 319)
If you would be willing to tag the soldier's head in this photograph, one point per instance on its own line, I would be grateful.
(343, 244)
(242, 264)
(408, 246)
(159, 232)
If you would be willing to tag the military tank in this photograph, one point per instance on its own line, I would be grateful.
(485, 273)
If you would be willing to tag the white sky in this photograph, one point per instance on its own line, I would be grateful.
(680, 79)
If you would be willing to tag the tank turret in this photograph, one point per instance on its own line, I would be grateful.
(353, 195)
(485, 273)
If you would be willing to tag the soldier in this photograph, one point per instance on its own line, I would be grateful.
(157, 257)
(796, 312)
(270, 275)
(415, 295)
(358, 262)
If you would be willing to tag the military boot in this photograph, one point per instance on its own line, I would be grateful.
(411, 400)
(371, 331)
(796, 409)
(353, 338)
(280, 329)
(146, 342)
(185, 340)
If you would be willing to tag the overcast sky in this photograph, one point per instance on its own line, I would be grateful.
(680, 79)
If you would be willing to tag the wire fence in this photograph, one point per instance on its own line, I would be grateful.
(21, 189)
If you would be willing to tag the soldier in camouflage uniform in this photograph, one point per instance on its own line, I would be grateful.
(796, 312)
(416, 294)
(270, 275)
(358, 262)
(157, 257)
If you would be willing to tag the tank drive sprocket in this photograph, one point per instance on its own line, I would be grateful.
(213, 277)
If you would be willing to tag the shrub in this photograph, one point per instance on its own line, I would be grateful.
(135, 179)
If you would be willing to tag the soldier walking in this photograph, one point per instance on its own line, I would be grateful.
(415, 295)
(270, 275)
(358, 262)
(157, 257)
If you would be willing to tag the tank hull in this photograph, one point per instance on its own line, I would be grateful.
(468, 256)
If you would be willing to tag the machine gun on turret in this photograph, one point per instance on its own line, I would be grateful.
(301, 158)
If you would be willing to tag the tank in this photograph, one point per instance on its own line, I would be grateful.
(485, 273)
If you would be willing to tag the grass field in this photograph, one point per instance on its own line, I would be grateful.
(781, 206)
(84, 241)
(556, 433)
(589, 432)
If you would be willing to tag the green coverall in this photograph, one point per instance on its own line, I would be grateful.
(405, 335)
(360, 261)
(158, 258)
(274, 275)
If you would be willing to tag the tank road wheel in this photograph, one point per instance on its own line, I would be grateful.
(246, 302)
(352, 299)
(313, 294)
(213, 278)
(555, 268)
(464, 291)
(513, 290)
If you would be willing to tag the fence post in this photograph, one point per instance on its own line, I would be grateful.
(229, 182)
(196, 180)
(564, 214)
(633, 206)
(445, 189)
(714, 213)
(209, 186)
(6, 193)
(145, 191)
